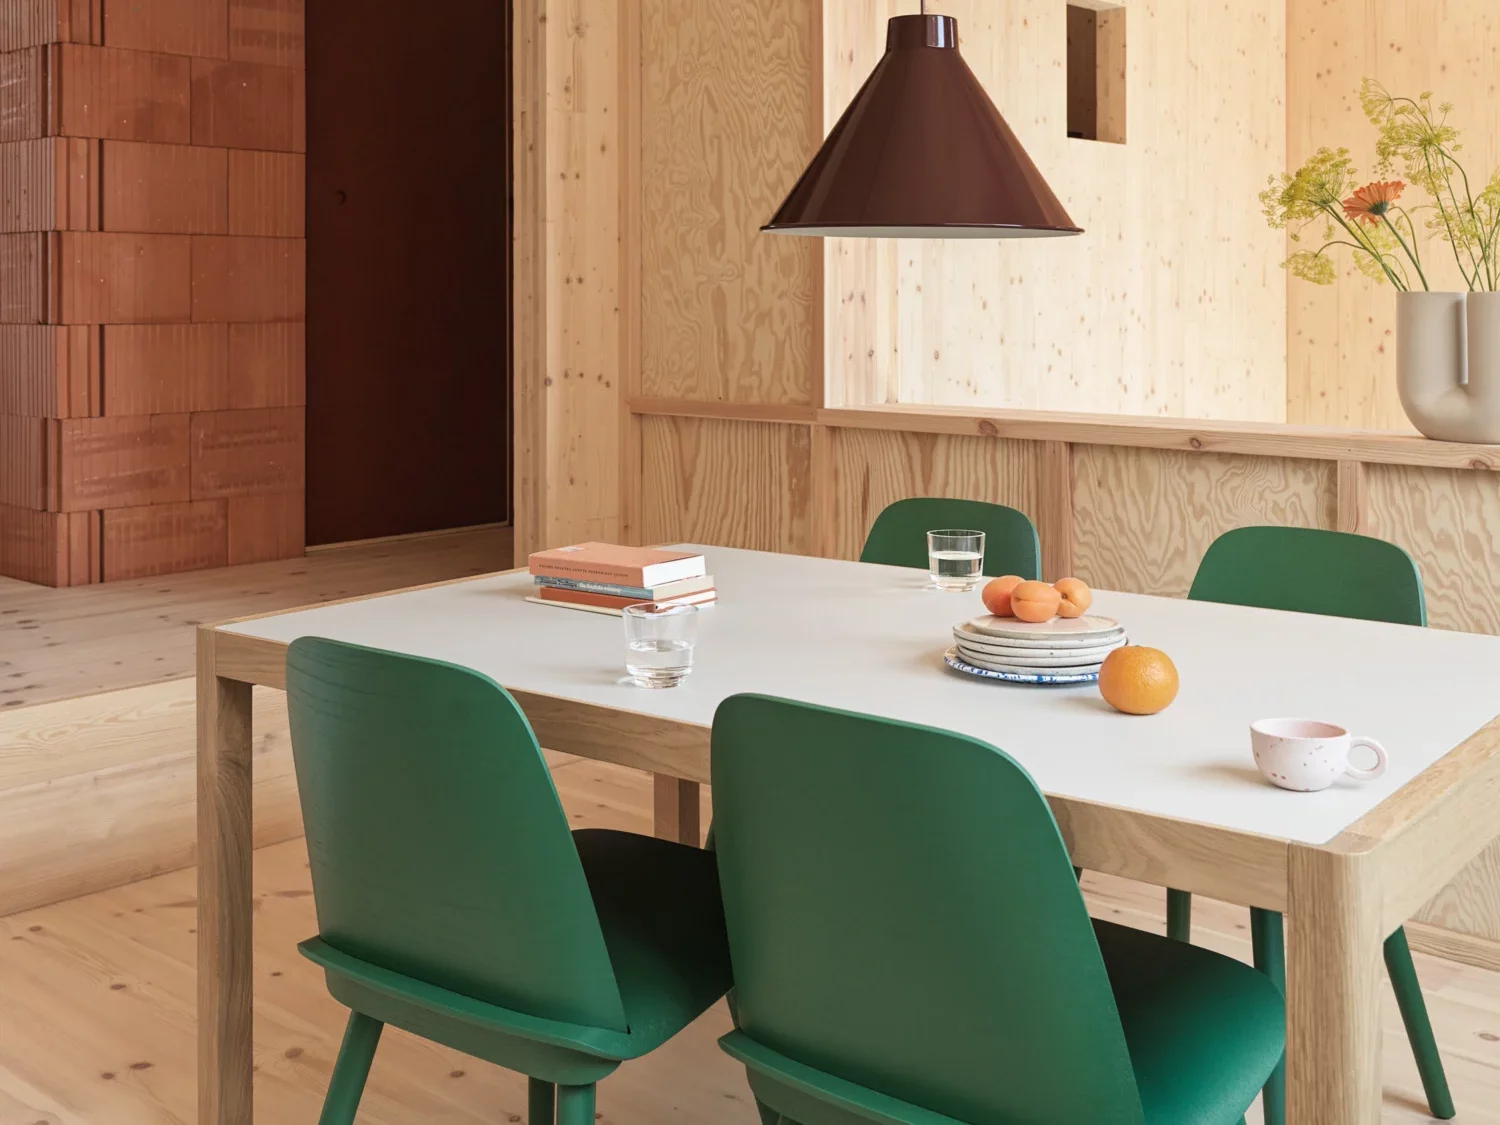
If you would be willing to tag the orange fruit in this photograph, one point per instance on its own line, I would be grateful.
(1076, 597)
(1035, 601)
(1138, 680)
(997, 594)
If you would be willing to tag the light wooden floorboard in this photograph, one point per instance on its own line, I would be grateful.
(96, 1020)
(56, 644)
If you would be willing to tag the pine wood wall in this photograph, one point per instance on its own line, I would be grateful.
(151, 266)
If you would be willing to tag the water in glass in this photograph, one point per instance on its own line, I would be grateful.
(659, 643)
(955, 558)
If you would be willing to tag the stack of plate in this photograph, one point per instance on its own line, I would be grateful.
(1060, 651)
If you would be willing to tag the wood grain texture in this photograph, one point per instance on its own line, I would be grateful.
(1054, 509)
(1451, 945)
(1353, 497)
(734, 484)
(1449, 520)
(1144, 518)
(166, 368)
(531, 286)
(1341, 362)
(122, 462)
(164, 189)
(164, 539)
(729, 118)
(48, 371)
(874, 469)
(1068, 324)
(676, 810)
(98, 792)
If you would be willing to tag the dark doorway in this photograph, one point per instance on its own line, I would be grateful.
(408, 266)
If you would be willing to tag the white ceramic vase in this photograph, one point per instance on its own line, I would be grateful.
(1448, 364)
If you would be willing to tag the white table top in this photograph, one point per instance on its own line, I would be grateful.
(871, 638)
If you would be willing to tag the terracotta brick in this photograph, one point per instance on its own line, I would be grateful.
(83, 548)
(164, 539)
(267, 193)
(246, 452)
(249, 105)
(267, 31)
(29, 23)
(51, 548)
(167, 189)
(109, 278)
(49, 184)
(249, 279)
(23, 462)
(49, 371)
(267, 527)
(123, 95)
(165, 368)
(122, 462)
(267, 365)
(177, 27)
(23, 94)
(23, 278)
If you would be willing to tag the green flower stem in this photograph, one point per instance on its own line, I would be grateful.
(1453, 240)
(1337, 214)
(1386, 219)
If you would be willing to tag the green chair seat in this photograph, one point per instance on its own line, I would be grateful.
(453, 901)
(1203, 1030)
(899, 534)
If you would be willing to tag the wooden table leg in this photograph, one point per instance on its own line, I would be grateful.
(1333, 988)
(676, 807)
(225, 959)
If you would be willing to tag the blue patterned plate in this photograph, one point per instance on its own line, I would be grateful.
(958, 664)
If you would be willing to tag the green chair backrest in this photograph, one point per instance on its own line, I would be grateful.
(899, 537)
(1312, 571)
(903, 915)
(438, 846)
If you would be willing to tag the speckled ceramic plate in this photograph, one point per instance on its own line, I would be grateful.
(959, 664)
(1001, 663)
(973, 641)
(1060, 632)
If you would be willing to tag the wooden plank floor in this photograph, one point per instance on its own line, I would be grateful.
(56, 644)
(97, 1018)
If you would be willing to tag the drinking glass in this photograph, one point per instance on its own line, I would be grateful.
(659, 643)
(955, 558)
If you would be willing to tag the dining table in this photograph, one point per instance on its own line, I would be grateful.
(1172, 799)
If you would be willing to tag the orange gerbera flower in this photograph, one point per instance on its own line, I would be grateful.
(1371, 202)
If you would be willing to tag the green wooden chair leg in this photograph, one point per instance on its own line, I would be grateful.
(541, 1102)
(1408, 989)
(348, 1082)
(1268, 941)
(768, 1116)
(1180, 916)
(575, 1105)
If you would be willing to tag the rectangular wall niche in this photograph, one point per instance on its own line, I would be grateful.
(1096, 72)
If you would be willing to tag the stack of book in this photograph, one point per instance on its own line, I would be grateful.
(605, 578)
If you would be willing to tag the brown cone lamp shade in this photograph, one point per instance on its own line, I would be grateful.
(922, 152)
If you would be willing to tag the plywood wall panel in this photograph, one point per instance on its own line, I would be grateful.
(122, 95)
(1341, 339)
(1171, 303)
(733, 484)
(267, 193)
(165, 189)
(249, 105)
(267, 31)
(874, 468)
(729, 118)
(1449, 520)
(166, 368)
(178, 27)
(122, 462)
(1143, 518)
(164, 539)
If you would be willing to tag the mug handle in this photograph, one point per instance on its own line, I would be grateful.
(1381, 760)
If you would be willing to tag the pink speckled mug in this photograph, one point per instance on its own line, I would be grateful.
(1305, 755)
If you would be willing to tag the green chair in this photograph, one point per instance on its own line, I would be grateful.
(910, 946)
(1338, 575)
(453, 901)
(899, 537)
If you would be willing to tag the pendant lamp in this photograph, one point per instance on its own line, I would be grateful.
(922, 152)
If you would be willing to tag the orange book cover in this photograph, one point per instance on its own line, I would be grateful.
(620, 566)
(609, 601)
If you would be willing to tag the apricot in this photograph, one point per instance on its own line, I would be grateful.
(1035, 601)
(997, 594)
(1076, 597)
